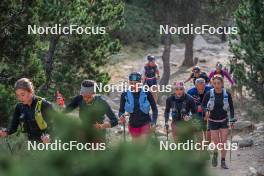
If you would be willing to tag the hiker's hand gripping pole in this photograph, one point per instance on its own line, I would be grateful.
(3, 133)
(122, 120)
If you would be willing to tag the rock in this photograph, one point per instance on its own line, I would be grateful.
(202, 60)
(173, 64)
(237, 138)
(243, 125)
(213, 39)
(260, 171)
(245, 143)
(252, 172)
(259, 126)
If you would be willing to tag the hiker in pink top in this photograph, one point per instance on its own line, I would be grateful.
(220, 71)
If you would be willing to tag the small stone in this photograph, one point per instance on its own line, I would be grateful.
(245, 143)
(252, 172)
(260, 171)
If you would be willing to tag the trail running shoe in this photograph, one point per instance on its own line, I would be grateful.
(223, 164)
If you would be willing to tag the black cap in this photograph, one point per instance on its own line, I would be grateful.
(151, 58)
(196, 69)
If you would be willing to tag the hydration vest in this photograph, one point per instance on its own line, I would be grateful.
(41, 123)
(211, 102)
(150, 71)
(175, 113)
(38, 115)
(144, 104)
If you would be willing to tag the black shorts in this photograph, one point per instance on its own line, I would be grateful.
(151, 82)
(217, 125)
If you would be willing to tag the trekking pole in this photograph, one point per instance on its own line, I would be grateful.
(231, 138)
(167, 132)
(124, 131)
(8, 145)
(124, 127)
(207, 125)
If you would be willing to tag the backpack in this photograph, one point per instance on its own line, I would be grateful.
(38, 115)
(143, 102)
(211, 102)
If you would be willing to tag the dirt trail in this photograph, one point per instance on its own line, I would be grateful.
(210, 54)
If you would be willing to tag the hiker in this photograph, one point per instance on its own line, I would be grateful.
(180, 104)
(31, 113)
(220, 71)
(92, 110)
(218, 101)
(197, 73)
(137, 103)
(60, 100)
(198, 92)
(151, 75)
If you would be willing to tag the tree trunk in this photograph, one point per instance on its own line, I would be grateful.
(48, 60)
(188, 54)
(166, 54)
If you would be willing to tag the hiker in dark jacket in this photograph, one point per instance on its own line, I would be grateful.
(92, 109)
(180, 105)
(136, 102)
(198, 92)
(197, 73)
(217, 102)
(31, 114)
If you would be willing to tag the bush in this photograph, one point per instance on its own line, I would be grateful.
(140, 26)
(124, 160)
(7, 102)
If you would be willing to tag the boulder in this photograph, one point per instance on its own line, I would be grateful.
(252, 172)
(237, 138)
(202, 60)
(245, 143)
(260, 171)
(243, 125)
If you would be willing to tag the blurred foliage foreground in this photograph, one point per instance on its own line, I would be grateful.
(124, 159)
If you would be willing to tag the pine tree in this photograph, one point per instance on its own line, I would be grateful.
(248, 45)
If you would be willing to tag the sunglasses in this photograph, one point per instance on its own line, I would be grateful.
(200, 82)
(136, 78)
